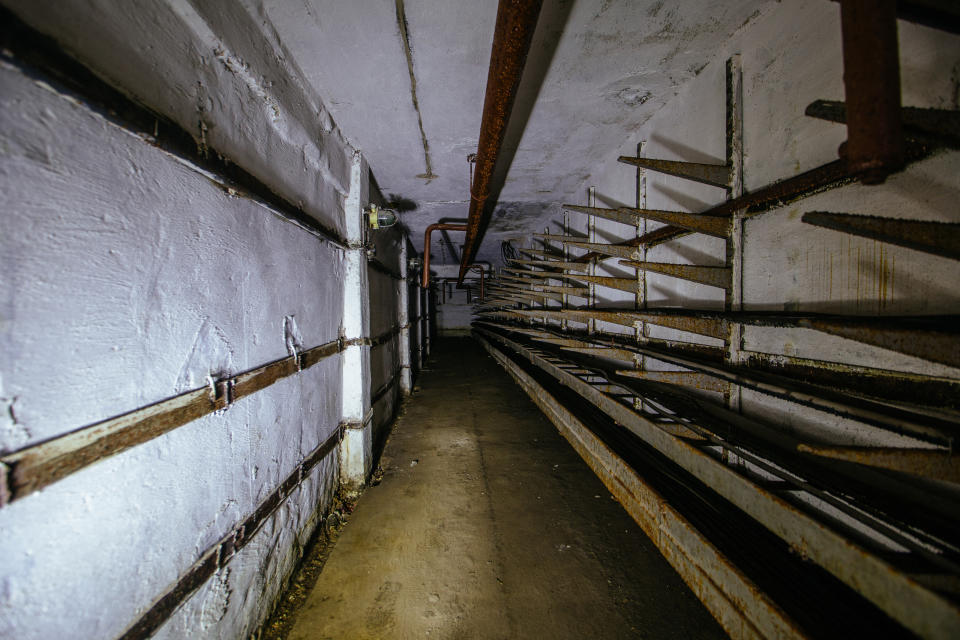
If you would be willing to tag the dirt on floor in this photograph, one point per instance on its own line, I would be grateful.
(486, 524)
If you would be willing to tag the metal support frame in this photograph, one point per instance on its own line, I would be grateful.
(914, 605)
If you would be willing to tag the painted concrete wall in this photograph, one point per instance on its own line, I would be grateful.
(791, 56)
(454, 313)
(129, 276)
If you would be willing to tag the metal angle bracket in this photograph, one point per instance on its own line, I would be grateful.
(715, 175)
(937, 238)
(712, 276)
(692, 379)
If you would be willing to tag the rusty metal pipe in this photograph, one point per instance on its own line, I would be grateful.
(516, 21)
(479, 268)
(871, 78)
(439, 226)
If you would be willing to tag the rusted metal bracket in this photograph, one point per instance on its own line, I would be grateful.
(935, 127)
(622, 284)
(712, 276)
(717, 226)
(617, 215)
(221, 393)
(539, 252)
(615, 250)
(689, 379)
(864, 406)
(554, 264)
(933, 338)
(715, 175)
(939, 464)
(937, 238)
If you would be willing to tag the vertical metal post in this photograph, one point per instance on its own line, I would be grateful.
(592, 237)
(733, 300)
(544, 303)
(640, 297)
(565, 303)
(403, 315)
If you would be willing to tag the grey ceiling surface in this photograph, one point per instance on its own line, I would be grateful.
(596, 71)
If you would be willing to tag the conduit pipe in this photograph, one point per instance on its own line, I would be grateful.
(479, 268)
(439, 226)
(516, 21)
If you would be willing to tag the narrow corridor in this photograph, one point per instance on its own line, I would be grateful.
(487, 524)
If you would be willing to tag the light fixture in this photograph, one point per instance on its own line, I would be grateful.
(379, 218)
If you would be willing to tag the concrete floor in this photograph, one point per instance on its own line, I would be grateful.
(488, 525)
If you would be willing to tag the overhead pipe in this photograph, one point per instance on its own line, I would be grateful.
(439, 226)
(516, 21)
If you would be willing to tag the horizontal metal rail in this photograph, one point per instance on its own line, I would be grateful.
(917, 607)
(40, 465)
(741, 608)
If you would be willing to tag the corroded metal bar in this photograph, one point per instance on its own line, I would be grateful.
(540, 294)
(218, 555)
(554, 264)
(615, 250)
(938, 464)
(623, 284)
(912, 336)
(439, 226)
(937, 238)
(871, 78)
(917, 607)
(940, 127)
(547, 295)
(617, 215)
(559, 237)
(606, 352)
(513, 33)
(532, 275)
(691, 379)
(712, 276)
(570, 291)
(651, 239)
(40, 465)
(539, 252)
(716, 175)
(730, 596)
(707, 326)
(717, 226)
(831, 399)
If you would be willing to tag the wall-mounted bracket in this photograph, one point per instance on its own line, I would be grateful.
(712, 276)
(937, 238)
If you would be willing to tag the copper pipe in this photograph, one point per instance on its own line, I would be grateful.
(871, 79)
(439, 226)
(479, 268)
(516, 21)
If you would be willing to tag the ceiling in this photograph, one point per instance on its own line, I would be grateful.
(597, 70)
(405, 81)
